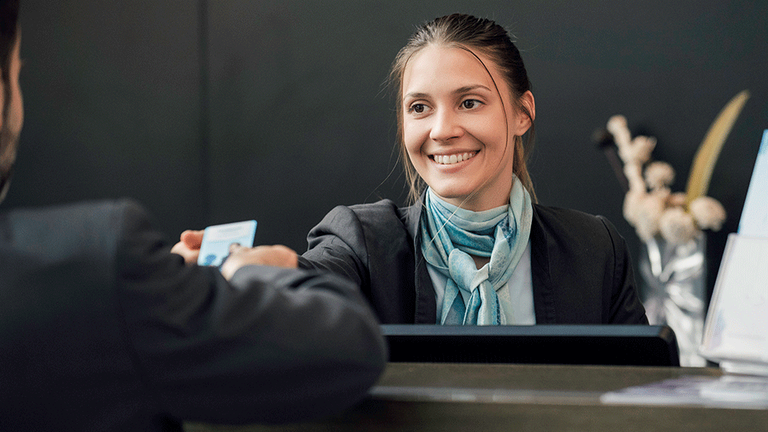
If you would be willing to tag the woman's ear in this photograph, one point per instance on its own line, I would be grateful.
(528, 102)
(525, 121)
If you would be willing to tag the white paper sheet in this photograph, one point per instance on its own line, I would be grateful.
(754, 215)
(737, 322)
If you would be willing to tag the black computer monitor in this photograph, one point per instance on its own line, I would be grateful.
(638, 345)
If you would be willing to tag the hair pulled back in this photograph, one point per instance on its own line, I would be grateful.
(476, 35)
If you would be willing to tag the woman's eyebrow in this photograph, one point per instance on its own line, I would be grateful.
(415, 95)
(470, 88)
(460, 90)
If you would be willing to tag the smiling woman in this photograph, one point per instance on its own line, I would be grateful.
(474, 247)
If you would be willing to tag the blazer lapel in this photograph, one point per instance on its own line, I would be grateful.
(426, 308)
(543, 286)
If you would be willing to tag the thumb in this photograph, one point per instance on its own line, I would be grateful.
(192, 238)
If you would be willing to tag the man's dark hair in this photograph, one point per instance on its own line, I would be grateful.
(9, 15)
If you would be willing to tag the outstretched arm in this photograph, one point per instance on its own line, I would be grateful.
(269, 345)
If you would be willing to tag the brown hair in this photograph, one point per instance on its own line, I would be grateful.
(472, 34)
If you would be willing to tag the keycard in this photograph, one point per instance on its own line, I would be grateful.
(218, 238)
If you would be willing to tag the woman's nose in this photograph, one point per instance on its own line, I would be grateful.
(446, 126)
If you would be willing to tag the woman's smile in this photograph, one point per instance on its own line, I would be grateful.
(452, 159)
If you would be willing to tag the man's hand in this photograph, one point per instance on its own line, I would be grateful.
(189, 246)
(275, 256)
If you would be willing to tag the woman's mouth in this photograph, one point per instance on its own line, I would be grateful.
(453, 158)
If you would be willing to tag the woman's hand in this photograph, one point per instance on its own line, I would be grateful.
(275, 256)
(189, 246)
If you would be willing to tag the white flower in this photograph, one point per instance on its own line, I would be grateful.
(662, 194)
(643, 212)
(634, 174)
(676, 199)
(676, 226)
(632, 204)
(617, 126)
(708, 213)
(660, 210)
(638, 151)
(659, 174)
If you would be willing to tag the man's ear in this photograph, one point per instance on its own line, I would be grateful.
(2, 99)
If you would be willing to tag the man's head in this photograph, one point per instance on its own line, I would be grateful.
(10, 98)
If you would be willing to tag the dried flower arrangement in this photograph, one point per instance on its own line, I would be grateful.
(649, 205)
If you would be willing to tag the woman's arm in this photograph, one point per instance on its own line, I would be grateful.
(337, 244)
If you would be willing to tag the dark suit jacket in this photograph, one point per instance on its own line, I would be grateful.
(582, 272)
(101, 328)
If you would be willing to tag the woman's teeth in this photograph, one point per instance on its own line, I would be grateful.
(454, 158)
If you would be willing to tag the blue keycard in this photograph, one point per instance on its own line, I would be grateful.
(218, 238)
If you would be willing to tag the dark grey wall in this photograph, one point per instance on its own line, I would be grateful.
(215, 111)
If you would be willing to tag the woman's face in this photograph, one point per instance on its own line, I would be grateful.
(454, 126)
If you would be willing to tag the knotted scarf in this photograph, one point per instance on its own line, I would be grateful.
(451, 234)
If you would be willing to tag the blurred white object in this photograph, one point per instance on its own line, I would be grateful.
(754, 217)
(736, 335)
(673, 287)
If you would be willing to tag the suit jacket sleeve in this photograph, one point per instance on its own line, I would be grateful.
(338, 244)
(271, 346)
(625, 305)
(370, 245)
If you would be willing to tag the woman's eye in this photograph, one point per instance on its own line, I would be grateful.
(470, 103)
(417, 108)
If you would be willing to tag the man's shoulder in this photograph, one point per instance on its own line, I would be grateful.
(86, 210)
(80, 225)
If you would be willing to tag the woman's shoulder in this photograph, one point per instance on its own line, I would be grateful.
(384, 212)
(364, 231)
(570, 222)
(382, 217)
(564, 214)
(382, 207)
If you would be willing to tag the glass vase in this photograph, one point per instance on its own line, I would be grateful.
(673, 286)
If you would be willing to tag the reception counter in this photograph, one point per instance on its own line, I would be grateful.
(513, 397)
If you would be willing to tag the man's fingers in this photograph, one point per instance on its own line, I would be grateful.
(276, 256)
(190, 255)
(192, 238)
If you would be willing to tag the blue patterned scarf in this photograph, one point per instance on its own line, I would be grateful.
(451, 234)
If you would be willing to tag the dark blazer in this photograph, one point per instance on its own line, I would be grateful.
(102, 328)
(582, 272)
